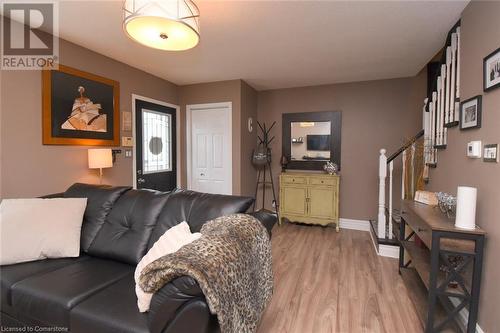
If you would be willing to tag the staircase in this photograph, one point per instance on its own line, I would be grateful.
(411, 159)
(416, 156)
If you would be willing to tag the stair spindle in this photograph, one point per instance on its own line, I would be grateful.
(391, 168)
(381, 227)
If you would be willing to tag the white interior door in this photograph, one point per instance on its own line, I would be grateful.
(209, 149)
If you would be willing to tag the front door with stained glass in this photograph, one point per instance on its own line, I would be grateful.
(155, 137)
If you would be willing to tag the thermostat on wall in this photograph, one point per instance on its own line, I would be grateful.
(474, 149)
(127, 141)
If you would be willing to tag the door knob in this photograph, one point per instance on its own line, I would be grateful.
(141, 180)
(202, 174)
(139, 172)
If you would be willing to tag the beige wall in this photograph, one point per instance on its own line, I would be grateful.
(480, 36)
(375, 115)
(248, 139)
(29, 168)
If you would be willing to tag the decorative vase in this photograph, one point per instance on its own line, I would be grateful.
(331, 168)
(447, 204)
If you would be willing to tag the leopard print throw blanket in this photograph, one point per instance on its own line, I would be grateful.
(231, 262)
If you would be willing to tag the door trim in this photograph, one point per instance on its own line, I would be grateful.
(189, 108)
(136, 97)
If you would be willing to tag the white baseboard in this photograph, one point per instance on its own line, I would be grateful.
(390, 251)
(361, 225)
(374, 242)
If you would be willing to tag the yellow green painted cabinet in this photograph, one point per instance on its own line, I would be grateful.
(309, 198)
(295, 202)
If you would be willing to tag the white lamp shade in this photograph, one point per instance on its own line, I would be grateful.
(100, 158)
(166, 25)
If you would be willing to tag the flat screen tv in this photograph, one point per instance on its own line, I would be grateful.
(318, 142)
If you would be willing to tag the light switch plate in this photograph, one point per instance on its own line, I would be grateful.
(474, 149)
(491, 153)
(128, 153)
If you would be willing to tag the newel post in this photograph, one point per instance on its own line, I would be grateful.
(391, 168)
(382, 174)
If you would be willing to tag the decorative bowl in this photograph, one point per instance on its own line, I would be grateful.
(447, 204)
(331, 168)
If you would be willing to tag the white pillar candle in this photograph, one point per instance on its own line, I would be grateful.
(466, 207)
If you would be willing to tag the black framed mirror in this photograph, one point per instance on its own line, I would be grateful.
(310, 139)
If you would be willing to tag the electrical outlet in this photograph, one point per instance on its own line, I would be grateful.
(128, 153)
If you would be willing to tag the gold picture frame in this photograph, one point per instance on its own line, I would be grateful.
(69, 117)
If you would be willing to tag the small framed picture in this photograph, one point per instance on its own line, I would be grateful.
(470, 113)
(490, 153)
(491, 71)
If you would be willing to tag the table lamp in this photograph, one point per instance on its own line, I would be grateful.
(99, 159)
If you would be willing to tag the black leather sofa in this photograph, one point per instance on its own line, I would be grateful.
(95, 292)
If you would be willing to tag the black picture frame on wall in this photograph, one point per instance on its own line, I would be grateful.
(471, 113)
(491, 71)
(335, 119)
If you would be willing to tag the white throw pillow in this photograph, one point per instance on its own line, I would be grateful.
(34, 229)
(171, 241)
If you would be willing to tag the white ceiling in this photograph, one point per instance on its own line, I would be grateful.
(279, 44)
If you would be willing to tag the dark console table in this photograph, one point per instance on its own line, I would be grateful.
(442, 271)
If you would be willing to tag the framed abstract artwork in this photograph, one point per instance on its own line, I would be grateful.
(79, 108)
(491, 71)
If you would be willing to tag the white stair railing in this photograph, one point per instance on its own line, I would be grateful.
(408, 155)
(412, 167)
(391, 168)
(382, 174)
(403, 177)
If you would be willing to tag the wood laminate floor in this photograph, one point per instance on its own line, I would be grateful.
(334, 282)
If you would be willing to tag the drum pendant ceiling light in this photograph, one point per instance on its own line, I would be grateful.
(163, 24)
